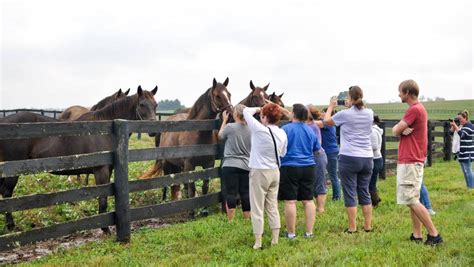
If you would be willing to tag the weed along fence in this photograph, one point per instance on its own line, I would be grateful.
(123, 214)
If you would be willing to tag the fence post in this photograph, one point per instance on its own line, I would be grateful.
(121, 189)
(430, 143)
(448, 141)
(383, 171)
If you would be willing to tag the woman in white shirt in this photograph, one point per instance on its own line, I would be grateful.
(268, 144)
(355, 155)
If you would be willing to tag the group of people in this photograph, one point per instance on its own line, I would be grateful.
(264, 163)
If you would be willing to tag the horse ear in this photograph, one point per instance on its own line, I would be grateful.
(214, 83)
(226, 82)
(273, 94)
(119, 93)
(139, 90)
(266, 87)
(251, 85)
(126, 92)
(154, 90)
(280, 96)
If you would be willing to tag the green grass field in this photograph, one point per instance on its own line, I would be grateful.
(214, 241)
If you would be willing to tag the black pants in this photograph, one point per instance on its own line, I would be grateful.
(236, 182)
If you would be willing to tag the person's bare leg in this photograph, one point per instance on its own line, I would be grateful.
(310, 213)
(321, 203)
(230, 214)
(416, 225)
(367, 211)
(351, 218)
(423, 215)
(246, 214)
(290, 216)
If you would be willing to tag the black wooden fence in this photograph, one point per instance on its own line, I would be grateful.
(436, 148)
(120, 156)
(119, 189)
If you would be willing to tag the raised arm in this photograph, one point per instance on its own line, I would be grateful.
(252, 123)
(225, 119)
(327, 116)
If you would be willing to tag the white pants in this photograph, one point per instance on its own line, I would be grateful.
(263, 192)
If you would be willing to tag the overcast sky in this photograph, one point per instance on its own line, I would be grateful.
(61, 53)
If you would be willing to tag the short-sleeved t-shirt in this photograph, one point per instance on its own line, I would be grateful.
(329, 140)
(237, 139)
(302, 142)
(356, 128)
(412, 147)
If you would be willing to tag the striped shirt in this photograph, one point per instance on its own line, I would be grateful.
(466, 147)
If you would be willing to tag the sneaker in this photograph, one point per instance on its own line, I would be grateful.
(434, 240)
(416, 239)
(347, 231)
(290, 236)
(431, 212)
(308, 235)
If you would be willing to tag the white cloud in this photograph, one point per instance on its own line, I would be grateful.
(58, 53)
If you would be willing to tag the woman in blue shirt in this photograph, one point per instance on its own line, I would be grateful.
(297, 175)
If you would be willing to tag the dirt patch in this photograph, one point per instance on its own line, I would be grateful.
(43, 248)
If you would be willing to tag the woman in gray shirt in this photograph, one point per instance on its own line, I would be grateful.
(235, 166)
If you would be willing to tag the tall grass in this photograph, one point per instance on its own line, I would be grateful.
(215, 241)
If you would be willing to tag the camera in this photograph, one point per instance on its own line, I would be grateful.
(341, 102)
(455, 120)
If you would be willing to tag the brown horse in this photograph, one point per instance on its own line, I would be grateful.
(215, 100)
(257, 97)
(276, 99)
(74, 112)
(140, 106)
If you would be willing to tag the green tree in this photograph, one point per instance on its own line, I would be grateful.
(167, 104)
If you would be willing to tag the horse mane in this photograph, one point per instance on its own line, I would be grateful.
(246, 101)
(201, 103)
(102, 103)
(116, 110)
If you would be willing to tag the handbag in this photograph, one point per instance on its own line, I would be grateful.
(274, 146)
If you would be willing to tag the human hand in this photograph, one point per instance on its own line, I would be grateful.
(225, 116)
(407, 131)
(333, 101)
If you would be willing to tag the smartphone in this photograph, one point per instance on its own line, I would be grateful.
(341, 102)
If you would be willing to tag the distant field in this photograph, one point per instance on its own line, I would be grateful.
(437, 110)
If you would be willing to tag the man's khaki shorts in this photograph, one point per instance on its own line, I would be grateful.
(409, 179)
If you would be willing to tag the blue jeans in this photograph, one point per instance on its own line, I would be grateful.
(332, 172)
(466, 167)
(424, 197)
(378, 164)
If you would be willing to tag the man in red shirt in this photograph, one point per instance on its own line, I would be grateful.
(412, 130)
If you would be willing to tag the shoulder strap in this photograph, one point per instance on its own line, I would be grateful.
(274, 145)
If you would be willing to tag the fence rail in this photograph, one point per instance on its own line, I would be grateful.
(55, 113)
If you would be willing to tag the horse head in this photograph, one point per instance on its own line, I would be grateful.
(257, 97)
(220, 97)
(146, 104)
(276, 99)
(119, 94)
